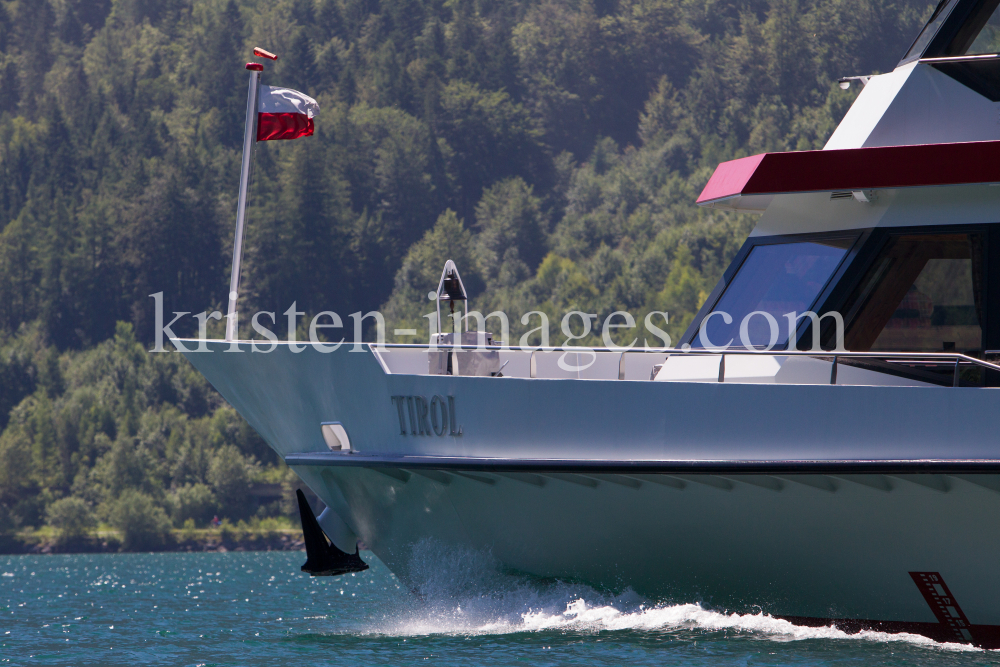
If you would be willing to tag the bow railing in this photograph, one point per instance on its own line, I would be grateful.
(955, 361)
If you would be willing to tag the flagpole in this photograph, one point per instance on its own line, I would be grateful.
(249, 142)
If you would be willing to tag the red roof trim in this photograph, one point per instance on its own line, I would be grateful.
(855, 169)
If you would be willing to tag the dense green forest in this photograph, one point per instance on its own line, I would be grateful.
(552, 148)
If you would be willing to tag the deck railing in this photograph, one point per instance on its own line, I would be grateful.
(955, 359)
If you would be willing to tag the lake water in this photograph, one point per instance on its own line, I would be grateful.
(259, 609)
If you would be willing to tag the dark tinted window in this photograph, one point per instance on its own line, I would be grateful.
(988, 39)
(775, 279)
(958, 28)
(941, 13)
(923, 294)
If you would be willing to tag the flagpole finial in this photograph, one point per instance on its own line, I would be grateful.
(261, 53)
(255, 67)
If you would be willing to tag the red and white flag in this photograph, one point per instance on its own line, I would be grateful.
(283, 113)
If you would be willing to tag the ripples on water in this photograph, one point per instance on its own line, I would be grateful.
(258, 608)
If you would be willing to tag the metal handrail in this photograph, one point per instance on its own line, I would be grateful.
(955, 357)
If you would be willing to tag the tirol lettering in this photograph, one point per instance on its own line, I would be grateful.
(420, 416)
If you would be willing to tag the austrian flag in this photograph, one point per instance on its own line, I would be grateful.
(283, 113)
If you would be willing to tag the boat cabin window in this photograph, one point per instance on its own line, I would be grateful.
(937, 19)
(922, 294)
(776, 279)
(958, 28)
(988, 39)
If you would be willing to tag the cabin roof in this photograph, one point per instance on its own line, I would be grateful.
(854, 169)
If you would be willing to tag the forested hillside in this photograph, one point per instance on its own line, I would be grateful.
(553, 148)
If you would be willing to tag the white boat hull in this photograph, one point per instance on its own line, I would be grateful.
(809, 502)
(793, 550)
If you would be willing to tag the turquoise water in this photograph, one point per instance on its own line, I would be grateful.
(258, 609)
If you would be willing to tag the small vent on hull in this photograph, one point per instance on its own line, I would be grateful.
(847, 194)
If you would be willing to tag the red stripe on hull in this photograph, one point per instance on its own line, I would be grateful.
(855, 169)
(274, 126)
(943, 604)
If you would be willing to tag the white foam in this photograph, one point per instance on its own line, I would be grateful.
(465, 593)
(579, 615)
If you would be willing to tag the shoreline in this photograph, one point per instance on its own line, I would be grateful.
(210, 541)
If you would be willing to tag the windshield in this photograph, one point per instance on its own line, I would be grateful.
(775, 279)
